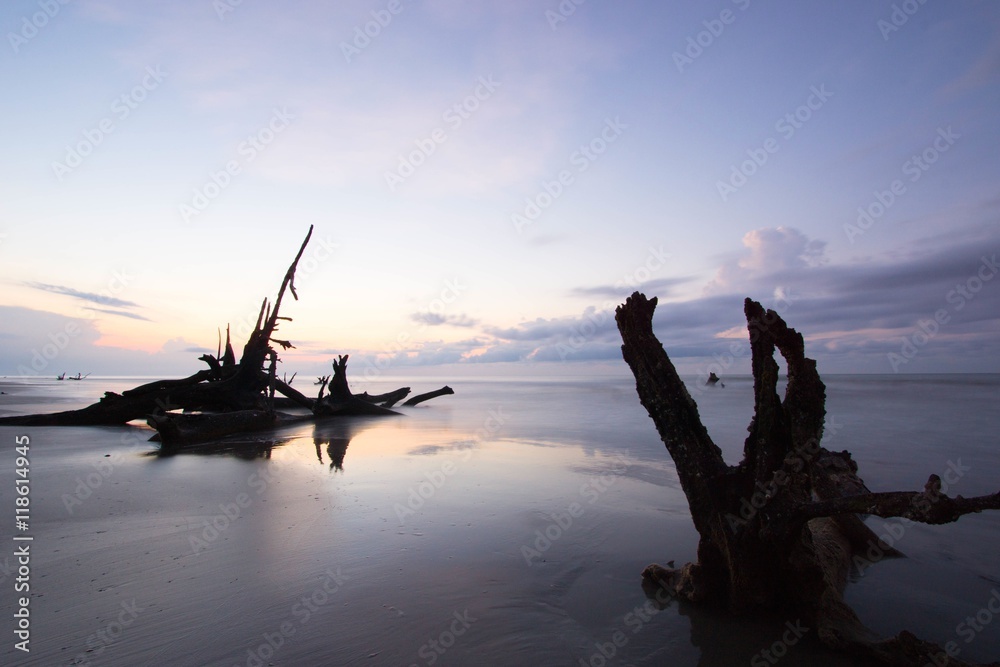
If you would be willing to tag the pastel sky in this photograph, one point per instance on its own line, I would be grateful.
(487, 180)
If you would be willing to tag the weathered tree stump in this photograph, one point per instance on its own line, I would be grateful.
(792, 549)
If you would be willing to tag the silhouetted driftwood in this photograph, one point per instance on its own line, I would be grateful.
(420, 398)
(777, 531)
(240, 393)
(339, 399)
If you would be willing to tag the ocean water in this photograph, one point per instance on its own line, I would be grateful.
(505, 525)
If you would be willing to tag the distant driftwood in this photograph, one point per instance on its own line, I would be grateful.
(779, 530)
(230, 397)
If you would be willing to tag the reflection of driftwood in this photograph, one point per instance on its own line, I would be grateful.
(420, 398)
(778, 530)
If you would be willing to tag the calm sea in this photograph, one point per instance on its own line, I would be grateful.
(504, 525)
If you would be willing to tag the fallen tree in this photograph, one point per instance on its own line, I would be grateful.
(794, 550)
(230, 396)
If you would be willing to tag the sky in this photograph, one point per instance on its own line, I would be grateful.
(488, 180)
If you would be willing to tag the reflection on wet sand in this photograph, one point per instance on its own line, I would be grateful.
(334, 433)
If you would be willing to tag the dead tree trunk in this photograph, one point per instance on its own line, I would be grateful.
(777, 530)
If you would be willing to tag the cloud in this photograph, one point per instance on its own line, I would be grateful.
(436, 319)
(41, 343)
(119, 313)
(102, 299)
(854, 313)
(662, 287)
(768, 250)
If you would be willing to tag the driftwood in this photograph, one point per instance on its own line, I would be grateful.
(420, 398)
(777, 531)
(339, 399)
(241, 395)
(179, 430)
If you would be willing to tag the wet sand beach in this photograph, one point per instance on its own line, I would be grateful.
(505, 525)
